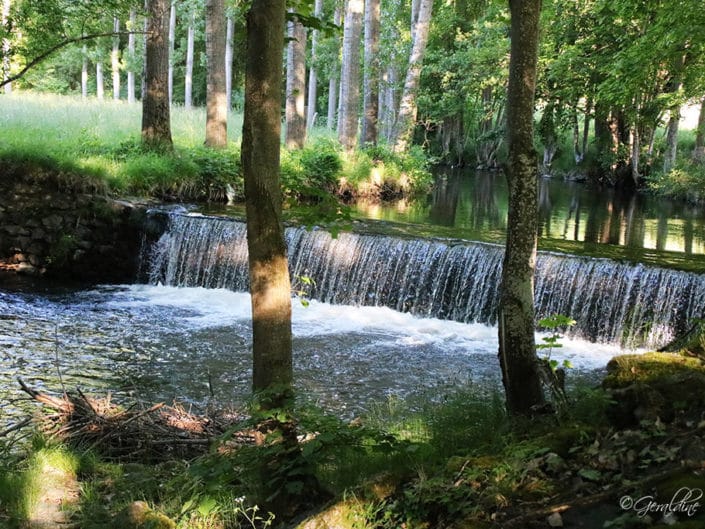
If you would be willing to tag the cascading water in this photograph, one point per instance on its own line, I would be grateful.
(612, 302)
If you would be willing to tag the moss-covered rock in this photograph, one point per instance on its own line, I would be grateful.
(347, 513)
(654, 385)
(138, 515)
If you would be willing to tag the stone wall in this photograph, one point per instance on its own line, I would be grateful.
(68, 235)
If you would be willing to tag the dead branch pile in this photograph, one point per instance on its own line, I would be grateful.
(155, 433)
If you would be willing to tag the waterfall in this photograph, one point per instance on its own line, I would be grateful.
(628, 304)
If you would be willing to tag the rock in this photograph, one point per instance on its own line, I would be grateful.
(138, 515)
(27, 269)
(555, 520)
(53, 222)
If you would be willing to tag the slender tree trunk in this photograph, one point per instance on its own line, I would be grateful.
(269, 275)
(404, 128)
(156, 119)
(699, 150)
(371, 75)
(229, 32)
(312, 73)
(115, 60)
(188, 81)
(296, 85)
(333, 86)
(145, 25)
(517, 349)
(586, 125)
(172, 41)
(669, 156)
(99, 85)
(84, 73)
(131, 55)
(350, 75)
(216, 103)
(6, 4)
(636, 153)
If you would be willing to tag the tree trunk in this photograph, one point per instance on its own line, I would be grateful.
(6, 4)
(296, 85)
(188, 80)
(131, 55)
(669, 156)
(371, 76)
(145, 26)
(517, 349)
(350, 75)
(115, 60)
(99, 85)
(269, 275)
(333, 87)
(156, 119)
(172, 40)
(84, 73)
(312, 73)
(404, 128)
(216, 102)
(229, 32)
(699, 150)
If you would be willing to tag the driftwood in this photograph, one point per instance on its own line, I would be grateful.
(155, 433)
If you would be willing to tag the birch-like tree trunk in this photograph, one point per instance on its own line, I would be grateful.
(269, 275)
(188, 79)
(131, 57)
(216, 103)
(145, 27)
(6, 5)
(517, 348)
(115, 59)
(370, 81)
(172, 41)
(350, 75)
(406, 119)
(84, 73)
(312, 73)
(156, 118)
(699, 150)
(99, 85)
(333, 86)
(669, 156)
(296, 85)
(229, 34)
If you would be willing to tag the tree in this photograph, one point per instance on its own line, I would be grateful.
(131, 56)
(5, 42)
(370, 81)
(333, 78)
(295, 84)
(172, 41)
(269, 275)
(350, 75)
(188, 78)
(156, 119)
(313, 72)
(408, 108)
(216, 102)
(115, 59)
(517, 349)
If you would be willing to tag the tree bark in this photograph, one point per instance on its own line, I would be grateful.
(188, 78)
(371, 75)
(99, 85)
(229, 32)
(333, 87)
(216, 101)
(699, 150)
(517, 349)
(172, 40)
(84, 73)
(269, 275)
(156, 119)
(406, 119)
(115, 60)
(669, 156)
(296, 85)
(131, 56)
(312, 73)
(350, 75)
(6, 4)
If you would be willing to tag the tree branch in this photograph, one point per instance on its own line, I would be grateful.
(41, 57)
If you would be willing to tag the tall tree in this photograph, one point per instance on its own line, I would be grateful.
(84, 72)
(131, 56)
(99, 84)
(699, 149)
(517, 350)
(188, 80)
(406, 119)
(269, 275)
(216, 101)
(6, 5)
(313, 72)
(115, 59)
(156, 118)
(229, 33)
(333, 87)
(172, 41)
(350, 74)
(370, 83)
(296, 84)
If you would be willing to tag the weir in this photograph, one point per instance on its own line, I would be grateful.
(627, 304)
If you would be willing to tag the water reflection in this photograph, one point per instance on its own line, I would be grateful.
(475, 206)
